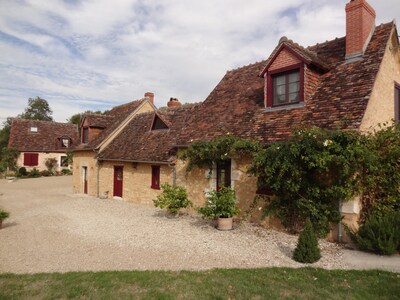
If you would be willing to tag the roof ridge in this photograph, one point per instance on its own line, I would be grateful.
(246, 66)
(43, 121)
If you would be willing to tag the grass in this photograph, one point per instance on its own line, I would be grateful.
(271, 283)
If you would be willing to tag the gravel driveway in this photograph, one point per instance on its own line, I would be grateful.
(53, 230)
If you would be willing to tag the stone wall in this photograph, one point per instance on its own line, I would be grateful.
(85, 159)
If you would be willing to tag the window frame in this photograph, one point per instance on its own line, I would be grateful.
(62, 144)
(285, 71)
(397, 103)
(63, 159)
(226, 166)
(85, 135)
(31, 159)
(155, 177)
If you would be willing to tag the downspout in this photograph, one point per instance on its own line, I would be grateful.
(173, 167)
(340, 222)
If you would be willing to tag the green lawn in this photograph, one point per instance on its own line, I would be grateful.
(272, 283)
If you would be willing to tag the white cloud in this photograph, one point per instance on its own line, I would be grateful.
(95, 54)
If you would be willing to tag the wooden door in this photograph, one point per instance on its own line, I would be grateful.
(85, 181)
(118, 180)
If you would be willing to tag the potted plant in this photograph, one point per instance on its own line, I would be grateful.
(221, 205)
(3, 215)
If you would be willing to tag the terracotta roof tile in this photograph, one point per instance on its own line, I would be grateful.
(46, 139)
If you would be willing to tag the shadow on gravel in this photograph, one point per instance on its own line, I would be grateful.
(8, 224)
(286, 250)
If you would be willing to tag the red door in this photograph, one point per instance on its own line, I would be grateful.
(118, 180)
(85, 180)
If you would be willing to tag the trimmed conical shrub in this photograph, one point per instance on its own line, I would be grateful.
(307, 250)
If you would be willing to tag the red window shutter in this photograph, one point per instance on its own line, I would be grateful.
(27, 159)
(35, 159)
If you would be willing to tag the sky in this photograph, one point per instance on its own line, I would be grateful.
(96, 54)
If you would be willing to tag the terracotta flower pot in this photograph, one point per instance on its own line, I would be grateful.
(224, 224)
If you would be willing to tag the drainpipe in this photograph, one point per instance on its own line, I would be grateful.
(340, 222)
(173, 167)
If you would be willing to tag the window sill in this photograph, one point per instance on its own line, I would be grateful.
(285, 107)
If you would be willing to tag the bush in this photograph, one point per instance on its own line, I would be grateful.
(307, 250)
(46, 173)
(220, 203)
(51, 164)
(3, 214)
(173, 198)
(66, 172)
(22, 171)
(379, 234)
(34, 173)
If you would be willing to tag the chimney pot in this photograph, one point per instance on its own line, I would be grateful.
(360, 26)
(150, 96)
(173, 102)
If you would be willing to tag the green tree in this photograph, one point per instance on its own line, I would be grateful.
(307, 250)
(5, 133)
(38, 109)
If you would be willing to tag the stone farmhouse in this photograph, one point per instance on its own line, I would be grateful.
(352, 83)
(39, 140)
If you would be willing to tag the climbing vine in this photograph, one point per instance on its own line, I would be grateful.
(205, 154)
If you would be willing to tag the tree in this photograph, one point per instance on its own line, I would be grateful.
(38, 109)
(5, 133)
(307, 250)
(76, 118)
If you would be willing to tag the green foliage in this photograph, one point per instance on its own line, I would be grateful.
(46, 173)
(309, 174)
(51, 164)
(4, 214)
(173, 198)
(379, 234)
(8, 159)
(34, 173)
(5, 135)
(307, 250)
(205, 154)
(381, 176)
(220, 203)
(38, 109)
(66, 172)
(22, 171)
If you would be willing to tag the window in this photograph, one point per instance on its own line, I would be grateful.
(397, 103)
(155, 177)
(63, 161)
(85, 135)
(65, 142)
(223, 174)
(158, 124)
(286, 88)
(31, 159)
(33, 129)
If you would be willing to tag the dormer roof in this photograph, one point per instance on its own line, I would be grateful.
(305, 55)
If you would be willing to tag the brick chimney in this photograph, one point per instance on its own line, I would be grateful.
(173, 102)
(150, 96)
(360, 26)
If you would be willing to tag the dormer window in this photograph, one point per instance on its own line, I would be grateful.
(33, 129)
(65, 142)
(285, 86)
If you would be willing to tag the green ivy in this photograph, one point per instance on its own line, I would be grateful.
(309, 174)
(205, 154)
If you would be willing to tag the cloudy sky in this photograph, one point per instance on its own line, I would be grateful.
(95, 54)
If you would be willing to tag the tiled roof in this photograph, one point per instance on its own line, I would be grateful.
(46, 139)
(236, 104)
(97, 120)
(137, 142)
(110, 121)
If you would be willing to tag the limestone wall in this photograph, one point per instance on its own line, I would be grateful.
(381, 105)
(43, 156)
(84, 159)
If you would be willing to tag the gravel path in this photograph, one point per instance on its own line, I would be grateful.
(53, 230)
